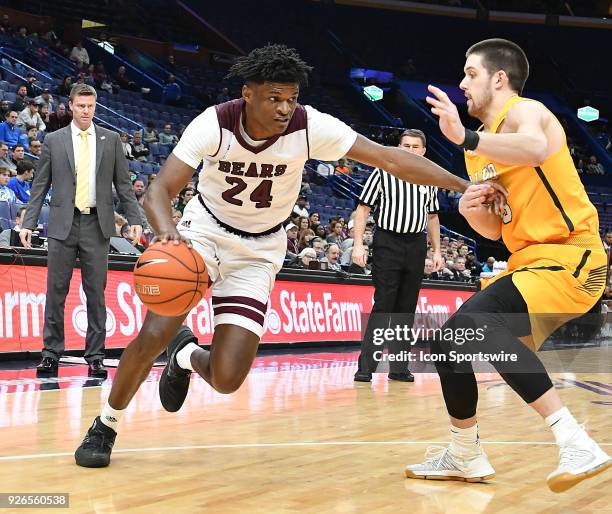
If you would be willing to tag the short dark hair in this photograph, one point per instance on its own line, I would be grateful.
(414, 133)
(271, 63)
(24, 166)
(501, 54)
(17, 146)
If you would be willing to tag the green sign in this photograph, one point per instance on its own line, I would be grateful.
(588, 113)
(374, 93)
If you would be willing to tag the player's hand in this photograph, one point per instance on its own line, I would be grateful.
(171, 236)
(450, 122)
(438, 261)
(475, 197)
(25, 234)
(360, 255)
(497, 200)
(135, 233)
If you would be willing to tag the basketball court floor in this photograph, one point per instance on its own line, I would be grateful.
(299, 436)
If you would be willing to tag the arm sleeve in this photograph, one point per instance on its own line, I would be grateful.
(371, 190)
(201, 138)
(434, 205)
(328, 137)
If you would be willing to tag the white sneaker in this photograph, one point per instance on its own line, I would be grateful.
(580, 458)
(441, 464)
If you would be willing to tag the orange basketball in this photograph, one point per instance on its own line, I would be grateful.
(170, 279)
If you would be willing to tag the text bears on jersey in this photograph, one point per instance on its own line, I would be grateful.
(254, 169)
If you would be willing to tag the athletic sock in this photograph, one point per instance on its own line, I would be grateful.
(183, 356)
(465, 442)
(111, 417)
(563, 425)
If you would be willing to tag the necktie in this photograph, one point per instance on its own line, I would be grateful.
(83, 169)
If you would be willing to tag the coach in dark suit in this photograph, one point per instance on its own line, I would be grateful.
(81, 162)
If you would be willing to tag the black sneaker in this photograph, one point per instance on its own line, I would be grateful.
(174, 382)
(95, 450)
(362, 376)
(402, 377)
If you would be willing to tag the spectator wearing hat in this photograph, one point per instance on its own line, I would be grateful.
(304, 258)
(29, 117)
(300, 207)
(46, 98)
(292, 241)
(30, 83)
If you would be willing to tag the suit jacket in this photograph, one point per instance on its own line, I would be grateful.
(56, 166)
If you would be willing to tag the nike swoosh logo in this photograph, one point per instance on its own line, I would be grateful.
(142, 264)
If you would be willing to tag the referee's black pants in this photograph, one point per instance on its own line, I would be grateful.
(397, 271)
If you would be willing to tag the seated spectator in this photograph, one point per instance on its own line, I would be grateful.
(460, 274)
(5, 160)
(29, 117)
(5, 108)
(320, 232)
(30, 135)
(332, 256)
(43, 111)
(79, 54)
(59, 119)
(488, 267)
(6, 193)
(463, 250)
(150, 135)
(473, 265)
(9, 132)
(342, 168)
(22, 183)
(46, 98)
(300, 206)
(318, 245)
(167, 138)
(172, 92)
(303, 259)
(140, 150)
(429, 273)
(138, 188)
(18, 154)
(292, 241)
(304, 239)
(594, 167)
(119, 222)
(21, 102)
(5, 236)
(127, 147)
(123, 81)
(336, 235)
(176, 216)
(30, 82)
(223, 96)
(184, 198)
(314, 219)
(305, 188)
(303, 223)
(65, 87)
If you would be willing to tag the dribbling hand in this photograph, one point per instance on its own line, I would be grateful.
(171, 236)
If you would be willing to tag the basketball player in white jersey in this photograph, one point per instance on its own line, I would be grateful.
(254, 150)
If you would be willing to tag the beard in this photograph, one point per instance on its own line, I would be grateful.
(480, 107)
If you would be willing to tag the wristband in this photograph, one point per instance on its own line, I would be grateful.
(471, 140)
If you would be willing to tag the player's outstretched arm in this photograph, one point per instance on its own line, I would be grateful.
(171, 179)
(404, 165)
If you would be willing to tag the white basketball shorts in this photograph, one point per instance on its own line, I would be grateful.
(242, 269)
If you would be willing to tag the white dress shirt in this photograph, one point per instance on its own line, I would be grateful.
(76, 144)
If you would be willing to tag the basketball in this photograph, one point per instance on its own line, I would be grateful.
(170, 279)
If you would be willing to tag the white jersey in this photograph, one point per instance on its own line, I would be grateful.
(252, 189)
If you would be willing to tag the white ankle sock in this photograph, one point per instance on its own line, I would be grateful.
(183, 357)
(464, 441)
(563, 425)
(111, 417)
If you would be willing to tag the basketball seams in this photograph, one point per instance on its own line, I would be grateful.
(164, 252)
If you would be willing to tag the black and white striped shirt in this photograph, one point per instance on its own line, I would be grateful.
(402, 207)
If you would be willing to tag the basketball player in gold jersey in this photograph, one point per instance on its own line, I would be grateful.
(557, 265)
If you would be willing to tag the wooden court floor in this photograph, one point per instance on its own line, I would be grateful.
(299, 436)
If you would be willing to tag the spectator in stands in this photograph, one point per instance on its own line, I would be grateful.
(320, 231)
(5, 236)
(21, 101)
(139, 149)
(184, 198)
(138, 188)
(303, 224)
(22, 183)
(65, 87)
(303, 259)
(59, 119)
(150, 135)
(6, 193)
(223, 96)
(5, 25)
(607, 241)
(429, 273)
(488, 267)
(172, 92)
(18, 153)
(24, 139)
(332, 255)
(30, 83)
(460, 274)
(43, 111)
(292, 240)
(167, 138)
(123, 81)
(46, 98)
(314, 219)
(336, 235)
(305, 188)
(305, 236)
(594, 167)
(176, 216)
(5, 160)
(20, 39)
(120, 221)
(79, 54)
(29, 117)
(473, 265)
(127, 147)
(5, 108)
(342, 168)
(300, 207)
(318, 245)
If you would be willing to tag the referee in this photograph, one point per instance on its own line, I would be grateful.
(399, 249)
